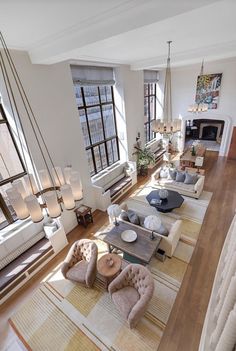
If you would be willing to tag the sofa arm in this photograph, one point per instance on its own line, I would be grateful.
(169, 243)
(198, 187)
(102, 197)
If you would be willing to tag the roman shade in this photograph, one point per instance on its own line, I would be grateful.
(91, 75)
(151, 76)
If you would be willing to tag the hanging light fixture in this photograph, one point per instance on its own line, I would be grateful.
(49, 189)
(167, 125)
(199, 107)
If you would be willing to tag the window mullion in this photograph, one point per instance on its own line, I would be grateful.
(103, 128)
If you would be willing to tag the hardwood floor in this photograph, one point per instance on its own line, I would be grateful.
(184, 328)
(185, 323)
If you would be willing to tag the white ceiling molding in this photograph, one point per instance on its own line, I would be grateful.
(210, 53)
(117, 31)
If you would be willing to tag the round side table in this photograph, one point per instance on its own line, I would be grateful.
(108, 266)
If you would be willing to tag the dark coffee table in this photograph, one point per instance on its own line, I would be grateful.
(174, 200)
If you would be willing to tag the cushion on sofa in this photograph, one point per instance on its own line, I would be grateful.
(124, 216)
(172, 174)
(180, 177)
(133, 217)
(190, 178)
(125, 299)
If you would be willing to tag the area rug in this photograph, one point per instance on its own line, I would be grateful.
(63, 315)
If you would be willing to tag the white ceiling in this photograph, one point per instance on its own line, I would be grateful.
(120, 31)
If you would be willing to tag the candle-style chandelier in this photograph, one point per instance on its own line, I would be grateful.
(48, 188)
(167, 125)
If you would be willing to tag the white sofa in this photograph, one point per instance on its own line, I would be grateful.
(192, 190)
(110, 184)
(168, 243)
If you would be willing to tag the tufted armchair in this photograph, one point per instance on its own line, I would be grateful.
(80, 263)
(131, 291)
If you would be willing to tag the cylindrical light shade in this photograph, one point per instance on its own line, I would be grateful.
(152, 222)
(30, 184)
(58, 176)
(17, 203)
(34, 208)
(76, 186)
(67, 197)
(114, 210)
(53, 206)
(67, 174)
(45, 179)
(19, 187)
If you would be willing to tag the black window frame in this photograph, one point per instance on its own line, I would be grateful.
(149, 135)
(105, 139)
(10, 218)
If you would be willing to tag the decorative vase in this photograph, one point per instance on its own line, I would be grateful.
(163, 193)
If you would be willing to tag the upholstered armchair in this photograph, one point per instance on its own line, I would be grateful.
(131, 291)
(81, 261)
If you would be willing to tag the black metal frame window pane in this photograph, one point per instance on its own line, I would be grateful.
(149, 109)
(98, 121)
(11, 168)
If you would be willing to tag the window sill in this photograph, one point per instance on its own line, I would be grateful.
(14, 228)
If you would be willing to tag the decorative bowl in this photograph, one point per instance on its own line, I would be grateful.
(110, 262)
(129, 236)
(163, 193)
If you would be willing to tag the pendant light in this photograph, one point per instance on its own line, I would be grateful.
(199, 107)
(50, 188)
(167, 125)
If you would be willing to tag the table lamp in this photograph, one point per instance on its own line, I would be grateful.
(152, 223)
(114, 211)
(199, 162)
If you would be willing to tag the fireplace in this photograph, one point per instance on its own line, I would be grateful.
(209, 133)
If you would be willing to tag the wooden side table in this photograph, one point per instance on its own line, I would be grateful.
(195, 170)
(108, 266)
(84, 215)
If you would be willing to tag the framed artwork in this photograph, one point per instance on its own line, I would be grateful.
(208, 89)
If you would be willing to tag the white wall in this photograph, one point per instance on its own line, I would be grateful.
(133, 94)
(184, 80)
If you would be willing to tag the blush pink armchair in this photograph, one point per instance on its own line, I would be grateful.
(131, 291)
(81, 262)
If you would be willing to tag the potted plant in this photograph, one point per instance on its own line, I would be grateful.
(144, 158)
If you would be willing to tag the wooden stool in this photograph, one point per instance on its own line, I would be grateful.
(108, 266)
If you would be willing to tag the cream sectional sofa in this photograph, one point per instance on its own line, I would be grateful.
(168, 243)
(192, 190)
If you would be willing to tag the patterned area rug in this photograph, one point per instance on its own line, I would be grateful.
(63, 315)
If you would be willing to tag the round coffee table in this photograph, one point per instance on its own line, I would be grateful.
(108, 266)
(174, 200)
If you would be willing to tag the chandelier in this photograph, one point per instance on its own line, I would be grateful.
(167, 126)
(46, 189)
(199, 107)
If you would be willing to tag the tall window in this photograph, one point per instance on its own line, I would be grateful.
(97, 117)
(11, 168)
(149, 109)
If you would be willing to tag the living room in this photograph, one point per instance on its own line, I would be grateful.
(117, 175)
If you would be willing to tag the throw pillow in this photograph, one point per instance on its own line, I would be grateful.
(172, 174)
(124, 216)
(191, 178)
(180, 177)
(164, 173)
(133, 217)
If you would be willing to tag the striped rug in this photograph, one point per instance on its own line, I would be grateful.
(63, 315)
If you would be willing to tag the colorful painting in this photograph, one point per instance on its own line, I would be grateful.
(208, 89)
